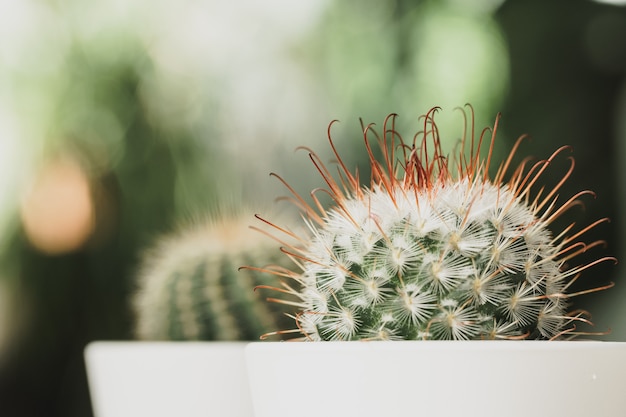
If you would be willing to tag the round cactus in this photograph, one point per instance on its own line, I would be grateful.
(435, 247)
(189, 286)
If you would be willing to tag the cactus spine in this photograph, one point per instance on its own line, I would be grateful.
(434, 248)
(189, 286)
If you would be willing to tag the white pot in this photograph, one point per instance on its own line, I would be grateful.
(167, 379)
(431, 378)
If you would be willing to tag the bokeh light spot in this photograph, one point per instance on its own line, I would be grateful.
(57, 211)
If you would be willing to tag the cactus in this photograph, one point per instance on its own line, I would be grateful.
(434, 247)
(189, 286)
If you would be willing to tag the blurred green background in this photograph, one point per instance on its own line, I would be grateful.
(120, 120)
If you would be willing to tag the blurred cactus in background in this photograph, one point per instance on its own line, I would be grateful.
(190, 287)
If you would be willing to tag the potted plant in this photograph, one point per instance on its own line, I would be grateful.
(194, 313)
(433, 265)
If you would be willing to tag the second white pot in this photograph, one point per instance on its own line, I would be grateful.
(444, 379)
(168, 379)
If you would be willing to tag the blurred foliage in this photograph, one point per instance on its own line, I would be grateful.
(373, 58)
(144, 176)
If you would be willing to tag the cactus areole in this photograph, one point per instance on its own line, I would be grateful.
(434, 247)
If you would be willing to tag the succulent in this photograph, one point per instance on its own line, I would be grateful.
(435, 247)
(189, 286)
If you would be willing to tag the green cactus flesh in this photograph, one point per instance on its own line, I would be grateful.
(190, 287)
(435, 253)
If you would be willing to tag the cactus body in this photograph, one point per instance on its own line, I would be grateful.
(190, 288)
(434, 248)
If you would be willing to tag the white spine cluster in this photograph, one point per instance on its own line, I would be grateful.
(463, 261)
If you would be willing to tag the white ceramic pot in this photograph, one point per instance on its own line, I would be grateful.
(167, 379)
(442, 379)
